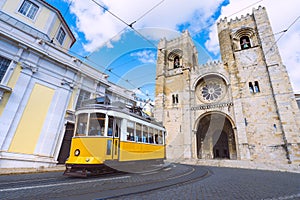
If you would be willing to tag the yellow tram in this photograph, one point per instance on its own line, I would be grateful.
(113, 135)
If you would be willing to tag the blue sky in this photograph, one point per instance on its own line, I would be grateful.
(129, 60)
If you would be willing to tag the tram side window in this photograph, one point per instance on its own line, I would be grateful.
(130, 131)
(117, 127)
(108, 147)
(110, 126)
(145, 134)
(81, 124)
(150, 135)
(155, 136)
(138, 131)
(97, 124)
(160, 137)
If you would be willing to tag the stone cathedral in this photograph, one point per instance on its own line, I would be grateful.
(240, 108)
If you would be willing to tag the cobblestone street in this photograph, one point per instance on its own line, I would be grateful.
(230, 183)
(176, 181)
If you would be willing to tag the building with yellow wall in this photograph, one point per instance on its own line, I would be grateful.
(41, 84)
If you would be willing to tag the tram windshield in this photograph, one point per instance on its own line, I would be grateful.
(97, 124)
(81, 127)
(95, 127)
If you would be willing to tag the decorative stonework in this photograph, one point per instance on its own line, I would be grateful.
(4, 89)
(211, 90)
(27, 65)
(212, 106)
(69, 83)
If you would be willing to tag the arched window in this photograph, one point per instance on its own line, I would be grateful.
(175, 99)
(245, 42)
(176, 62)
(251, 87)
(256, 87)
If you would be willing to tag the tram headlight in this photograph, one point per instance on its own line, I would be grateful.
(77, 152)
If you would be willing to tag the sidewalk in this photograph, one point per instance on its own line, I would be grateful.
(244, 164)
(7, 171)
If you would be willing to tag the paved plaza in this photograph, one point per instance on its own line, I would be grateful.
(177, 181)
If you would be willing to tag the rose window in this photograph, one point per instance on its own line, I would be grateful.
(211, 91)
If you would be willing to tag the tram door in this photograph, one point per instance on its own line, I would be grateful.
(116, 138)
(113, 131)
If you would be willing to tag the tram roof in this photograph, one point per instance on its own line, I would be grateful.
(119, 107)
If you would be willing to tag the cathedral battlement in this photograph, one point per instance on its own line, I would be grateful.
(242, 18)
(215, 66)
(260, 8)
(185, 35)
(212, 64)
(224, 22)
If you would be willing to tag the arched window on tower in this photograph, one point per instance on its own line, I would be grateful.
(245, 42)
(256, 87)
(251, 89)
(176, 62)
(175, 99)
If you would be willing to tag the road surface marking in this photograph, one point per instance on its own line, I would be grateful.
(61, 184)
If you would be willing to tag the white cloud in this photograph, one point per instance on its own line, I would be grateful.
(99, 27)
(281, 15)
(212, 44)
(145, 56)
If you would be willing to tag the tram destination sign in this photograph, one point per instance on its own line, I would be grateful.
(211, 106)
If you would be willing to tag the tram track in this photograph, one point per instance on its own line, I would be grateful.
(183, 179)
(31, 183)
(106, 186)
(143, 186)
(176, 181)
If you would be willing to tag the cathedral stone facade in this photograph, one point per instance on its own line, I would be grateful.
(240, 108)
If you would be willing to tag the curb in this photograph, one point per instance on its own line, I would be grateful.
(10, 171)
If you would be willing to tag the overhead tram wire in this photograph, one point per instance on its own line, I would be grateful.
(120, 77)
(205, 27)
(245, 8)
(283, 32)
(280, 32)
(128, 25)
(120, 65)
(86, 57)
(131, 26)
(150, 10)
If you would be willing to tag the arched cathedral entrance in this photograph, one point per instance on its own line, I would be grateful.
(215, 137)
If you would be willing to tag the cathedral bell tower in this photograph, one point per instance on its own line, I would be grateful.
(265, 110)
(175, 60)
